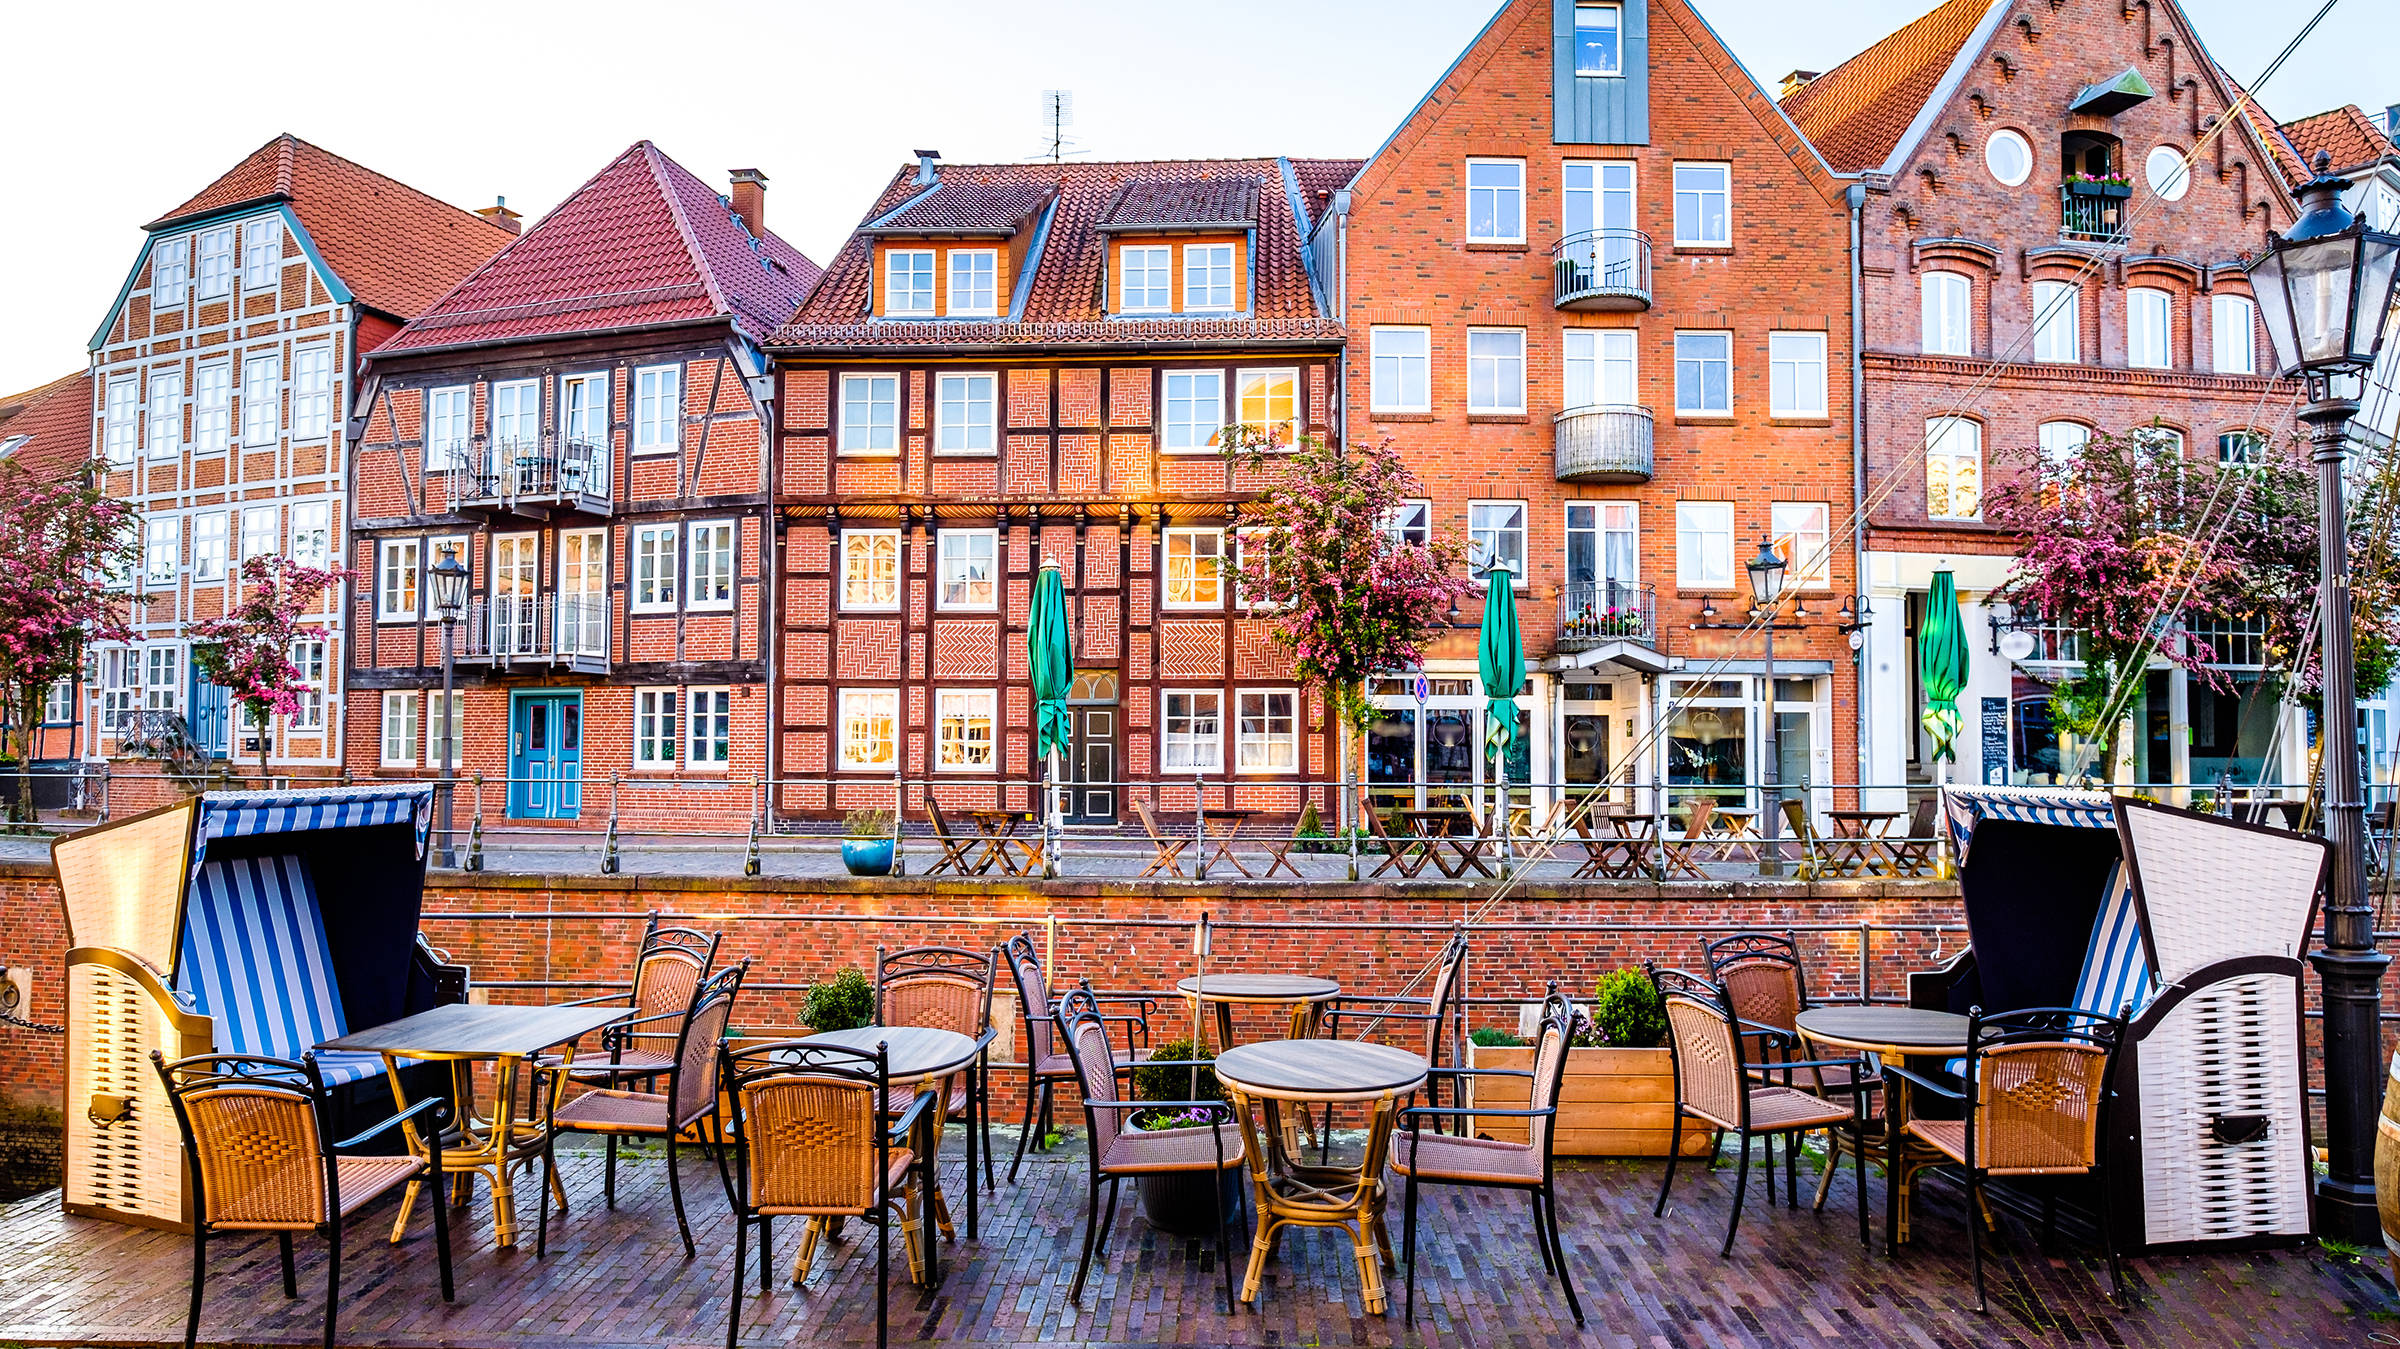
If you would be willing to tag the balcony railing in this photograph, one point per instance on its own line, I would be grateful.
(1594, 613)
(1601, 269)
(1606, 442)
(570, 630)
(537, 477)
(2089, 215)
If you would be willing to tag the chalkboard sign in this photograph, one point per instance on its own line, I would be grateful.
(1995, 742)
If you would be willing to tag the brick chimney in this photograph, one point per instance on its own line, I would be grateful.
(499, 214)
(750, 200)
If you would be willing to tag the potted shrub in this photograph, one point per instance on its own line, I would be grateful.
(1618, 1097)
(844, 1002)
(867, 842)
(1180, 1201)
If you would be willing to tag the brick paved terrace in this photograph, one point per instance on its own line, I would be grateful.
(620, 1279)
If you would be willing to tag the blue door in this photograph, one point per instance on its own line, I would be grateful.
(545, 756)
(211, 704)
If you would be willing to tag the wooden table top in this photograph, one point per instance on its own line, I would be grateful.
(1277, 988)
(467, 1030)
(1448, 817)
(1909, 1030)
(1866, 814)
(1319, 1068)
(914, 1051)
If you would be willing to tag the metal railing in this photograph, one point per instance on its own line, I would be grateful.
(1603, 442)
(555, 628)
(549, 470)
(1600, 270)
(1592, 613)
(2088, 217)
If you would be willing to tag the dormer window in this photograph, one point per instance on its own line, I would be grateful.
(1149, 285)
(1208, 276)
(974, 280)
(908, 281)
(1598, 50)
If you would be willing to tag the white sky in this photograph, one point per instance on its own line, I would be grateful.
(466, 101)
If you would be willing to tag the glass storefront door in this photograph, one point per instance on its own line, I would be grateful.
(1431, 756)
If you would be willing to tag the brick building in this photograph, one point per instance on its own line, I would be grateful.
(1013, 362)
(47, 431)
(221, 376)
(2056, 208)
(1595, 289)
(582, 422)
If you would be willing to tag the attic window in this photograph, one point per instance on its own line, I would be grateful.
(1598, 48)
(10, 444)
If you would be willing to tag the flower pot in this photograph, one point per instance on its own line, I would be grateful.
(1612, 1103)
(1180, 1202)
(867, 856)
(2101, 189)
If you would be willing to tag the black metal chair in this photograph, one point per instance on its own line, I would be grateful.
(1046, 1062)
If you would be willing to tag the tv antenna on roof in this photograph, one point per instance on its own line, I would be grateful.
(1058, 113)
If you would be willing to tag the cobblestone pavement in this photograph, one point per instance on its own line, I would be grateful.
(620, 1279)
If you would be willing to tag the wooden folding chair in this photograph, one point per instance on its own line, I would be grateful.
(1678, 851)
(1913, 855)
(1168, 848)
(955, 847)
(1278, 849)
(1406, 855)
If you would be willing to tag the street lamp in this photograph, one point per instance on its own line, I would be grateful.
(449, 602)
(2324, 291)
(1766, 587)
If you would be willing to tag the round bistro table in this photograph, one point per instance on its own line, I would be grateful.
(1892, 1033)
(1293, 1193)
(1303, 993)
(924, 1058)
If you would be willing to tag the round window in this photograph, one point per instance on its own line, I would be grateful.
(2168, 176)
(2008, 157)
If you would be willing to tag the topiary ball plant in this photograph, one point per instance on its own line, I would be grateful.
(844, 1002)
(1627, 1012)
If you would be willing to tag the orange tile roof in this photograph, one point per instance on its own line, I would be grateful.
(2344, 133)
(1856, 112)
(397, 249)
(56, 421)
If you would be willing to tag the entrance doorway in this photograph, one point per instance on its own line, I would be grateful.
(545, 756)
(1091, 795)
(1428, 754)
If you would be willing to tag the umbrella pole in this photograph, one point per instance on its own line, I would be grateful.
(1050, 819)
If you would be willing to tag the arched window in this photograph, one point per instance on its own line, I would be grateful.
(1947, 297)
(2149, 327)
(1953, 469)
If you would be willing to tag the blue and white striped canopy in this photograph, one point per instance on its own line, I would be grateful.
(2116, 969)
(242, 814)
(2032, 805)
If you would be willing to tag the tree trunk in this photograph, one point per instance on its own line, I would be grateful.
(28, 706)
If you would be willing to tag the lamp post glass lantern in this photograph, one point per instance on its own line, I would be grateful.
(1766, 588)
(449, 603)
(2324, 293)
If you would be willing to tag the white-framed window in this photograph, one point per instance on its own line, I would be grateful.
(2009, 157)
(908, 281)
(262, 254)
(2057, 321)
(2149, 327)
(1796, 374)
(870, 569)
(1599, 47)
(1266, 736)
(1252, 544)
(2233, 334)
(216, 262)
(711, 574)
(1803, 535)
(312, 532)
(658, 409)
(308, 657)
(1410, 522)
(1400, 369)
(401, 708)
(170, 271)
(966, 410)
(162, 682)
(448, 429)
(974, 282)
(654, 728)
(2170, 177)
(2164, 441)
(262, 532)
(58, 704)
(445, 721)
(2240, 447)
(1704, 545)
(1600, 365)
(1496, 370)
(1195, 411)
(1146, 279)
(654, 577)
(2060, 444)
(1946, 302)
(963, 730)
(970, 571)
(312, 391)
(583, 412)
(711, 721)
(166, 413)
(212, 408)
(1953, 469)
(870, 730)
(1496, 537)
(1603, 543)
(1191, 730)
(1704, 373)
(123, 411)
(1269, 400)
(1704, 205)
(262, 399)
(1208, 279)
(516, 420)
(162, 549)
(209, 531)
(870, 414)
(1195, 568)
(398, 574)
(120, 686)
(1496, 201)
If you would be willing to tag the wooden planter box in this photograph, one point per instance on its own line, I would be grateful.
(1613, 1103)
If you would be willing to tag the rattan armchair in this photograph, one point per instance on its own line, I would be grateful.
(945, 988)
(254, 1129)
(1046, 1060)
(815, 1135)
(667, 966)
(2036, 1104)
(1437, 1011)
(1768, 986)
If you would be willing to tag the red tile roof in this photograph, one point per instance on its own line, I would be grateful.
(643, 242)
(396, 248)
(1856, 112)
(1149, 204)
(2344, 133)
(963, 205)
(1321, 176)
(1063, 307)
(56, 420)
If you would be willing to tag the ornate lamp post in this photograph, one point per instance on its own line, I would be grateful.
(450, 602)
(2324, 291)
(1766, 588)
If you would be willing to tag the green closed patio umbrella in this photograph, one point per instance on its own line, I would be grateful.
(1942, 665)
(1500, 660)
(1051, 660)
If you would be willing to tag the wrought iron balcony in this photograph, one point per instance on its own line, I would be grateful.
(1595, 613)
(534, 478)
(1601, 269)
(509, 630)
(2090, 213)
(1605, 442)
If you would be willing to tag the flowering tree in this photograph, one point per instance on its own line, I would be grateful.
(60, 541)
(248, 648)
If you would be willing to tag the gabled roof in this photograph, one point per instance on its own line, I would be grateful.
(1063, 305)
(1857, 112)
(643, 242)
(396, 248)
(2343, 133)
(957, 204)
(1149, 203)
(2262, 125)
(55, 423)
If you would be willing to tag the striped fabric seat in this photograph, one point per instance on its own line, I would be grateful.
(2116, 971)
(254, 960)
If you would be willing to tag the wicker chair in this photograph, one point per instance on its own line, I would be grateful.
(946, 988)
(1046, 1061)
(815, 1136)
(1423, 1159)
(2036, 1104)
(668, 965)
(1437, 1011)
(1713, 1085)
(1118, 1150)
(254, 1128)
(690, 1098)
(1768, 985)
